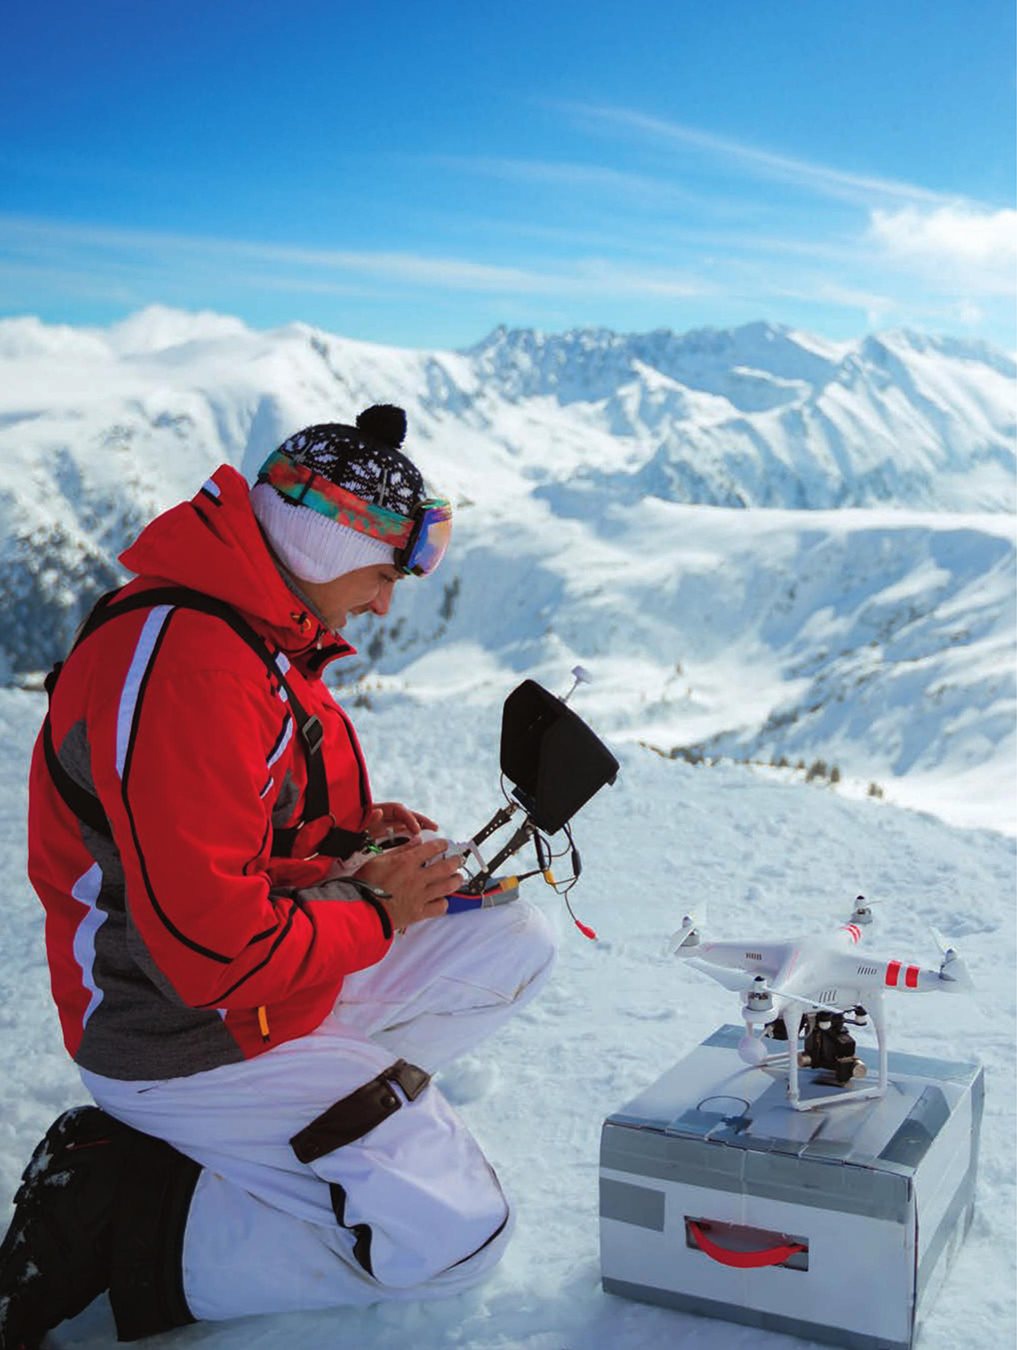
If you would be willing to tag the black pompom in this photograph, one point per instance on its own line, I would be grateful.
(384, 422)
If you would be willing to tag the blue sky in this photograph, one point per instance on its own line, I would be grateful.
(417, 173)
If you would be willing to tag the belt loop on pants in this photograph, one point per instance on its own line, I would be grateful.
(361, 1111)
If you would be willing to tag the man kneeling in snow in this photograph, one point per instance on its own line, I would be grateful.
(243, 976)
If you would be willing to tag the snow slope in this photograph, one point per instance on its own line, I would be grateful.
(773, 858)
(601, 482)
(602, 485)
(882, 642)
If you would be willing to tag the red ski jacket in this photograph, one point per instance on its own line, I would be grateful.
(180, 942)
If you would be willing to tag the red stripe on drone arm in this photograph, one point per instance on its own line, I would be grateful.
(893, 973)
(911, 977)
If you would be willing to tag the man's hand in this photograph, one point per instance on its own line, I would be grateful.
(417, 879)
(388, 818)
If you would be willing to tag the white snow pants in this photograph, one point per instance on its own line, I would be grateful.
(262, 1234)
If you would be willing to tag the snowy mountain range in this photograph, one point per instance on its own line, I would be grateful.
(608, 491)
(762, 416)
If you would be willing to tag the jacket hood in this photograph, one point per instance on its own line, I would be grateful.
(213, 544)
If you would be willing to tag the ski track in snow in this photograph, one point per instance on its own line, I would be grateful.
(772, 859)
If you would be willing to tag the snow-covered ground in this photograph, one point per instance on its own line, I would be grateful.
(764, 547)
(772, 858)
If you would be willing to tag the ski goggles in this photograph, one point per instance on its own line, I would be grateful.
(418, 542)
(429, 538)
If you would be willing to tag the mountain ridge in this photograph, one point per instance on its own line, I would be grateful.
(617, 514)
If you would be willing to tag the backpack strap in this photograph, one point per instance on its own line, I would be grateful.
(314, 829)
(84, 804)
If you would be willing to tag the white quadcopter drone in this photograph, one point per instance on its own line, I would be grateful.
(814, 989)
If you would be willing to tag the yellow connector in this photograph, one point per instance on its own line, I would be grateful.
(549, 877)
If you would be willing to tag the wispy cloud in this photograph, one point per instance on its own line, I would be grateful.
(575, 277)
(978, 248)
(79, 282)
(906, 258)
(455, 272)
(879, 309)
(616, 184)
(820, 178)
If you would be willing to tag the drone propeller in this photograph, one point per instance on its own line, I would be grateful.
(953, 966)
(862, 912)
(946, 947)
(690, 932)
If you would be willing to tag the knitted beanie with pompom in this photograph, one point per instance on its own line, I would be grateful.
(365, 460)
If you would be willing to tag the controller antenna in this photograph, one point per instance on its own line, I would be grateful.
(580, 675)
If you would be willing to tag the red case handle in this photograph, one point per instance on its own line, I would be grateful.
(770, 1256)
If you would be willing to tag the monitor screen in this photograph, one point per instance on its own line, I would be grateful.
(553, 760)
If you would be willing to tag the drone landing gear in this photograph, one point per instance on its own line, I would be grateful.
(827, 1046)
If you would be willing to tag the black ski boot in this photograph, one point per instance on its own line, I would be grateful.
(56, 1256)
(101, 1206)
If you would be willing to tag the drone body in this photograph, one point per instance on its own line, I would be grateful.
(815, 988)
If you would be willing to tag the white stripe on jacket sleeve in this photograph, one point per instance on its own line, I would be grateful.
(135, 674)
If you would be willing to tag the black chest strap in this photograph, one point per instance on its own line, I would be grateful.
(315, 829)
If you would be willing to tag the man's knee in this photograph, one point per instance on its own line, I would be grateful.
(535, 946)
(468, 1246)
(408, 1184)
